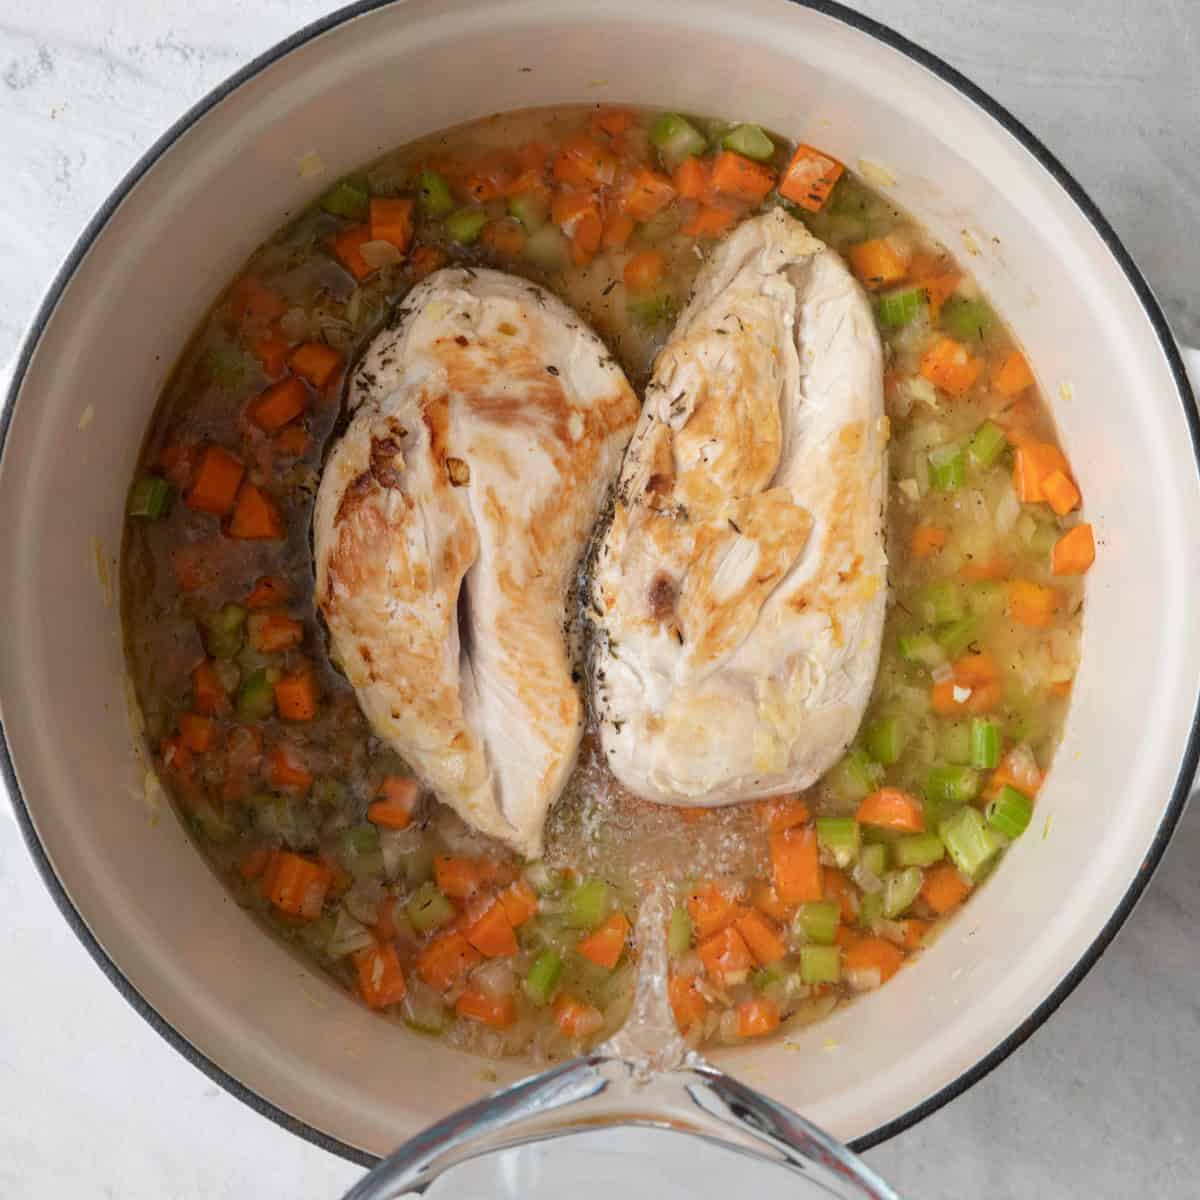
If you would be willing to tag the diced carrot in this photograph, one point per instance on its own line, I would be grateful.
(208, 695)
(270, 348)
(1018, 769)
(425, 260)
(385, 917)
(1061, 494)
(757, 1017)
(191, 565)
(392, 220)
(726, 957)
(1032, 604)
(710, 909)
(296, 695)
(741, 177)
(708, 221)
(217, 480)
(688, 1005)
(197, 731)
(569, 206)
(643, 271)
(810, 177)
(459, 878)
(531, 156)
(316, 362)
(605, 946)
(949, 365)
(1033, 464)
(1074, 552)
(252, 300)
(256, 516)
(796, 865)
(611, 121)
(347, 247)
(380, 976)
(395, 802)
(617, 230)
(1061, 688)
(575, 1019)
(691, 179)
(178, 460)
(978, 677)
(584, 162)
(938, 289)
(446, 959)
(845, 936)
(293, 440)
(912, 933)
(645, 193)
(274, 630)
(764, 897)
(282, 402)
(285, 773)
(491, 176)
(497, 1012)
(585, 240)
(890, 808)
(977, 570)
(873, 954)
(1013, 375)
(944, 888)
(269, 591)
(761, 936)
(503, 237)
(492, 934)
(784, 813)
(927, 540)
(298, 885)
(877, 263)
(252, 864)
(839, 890)
(520, 902)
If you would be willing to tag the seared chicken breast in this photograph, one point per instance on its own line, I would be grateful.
(740, 587)
(489, 423)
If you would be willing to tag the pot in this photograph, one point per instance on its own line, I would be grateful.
(377, 75)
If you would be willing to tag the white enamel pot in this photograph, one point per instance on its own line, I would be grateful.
(372, 77)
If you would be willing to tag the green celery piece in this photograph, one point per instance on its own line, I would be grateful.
(918, 850)
(986, 598)
(820, 964)
(762, 979)
(679, 934)
(150, 497)
(428, 909)
(841, 836)
(1010, 812)
(969, 842)
(651, 309)
(816, 922)
(214, 825)
(985, 744)
(870, 909)
(958, 635)
(465, 225)
(967, 320)
(947, 467)
(987, 445)
(256, 696)
(587, 904)
(749, 141)
(1044, 538)
(330, 792)
(855, 776)
(676, 139)
(941, 602)
(225, 631)
(952, 785)
(874, 858)
(531, 209)
(921, 648)
(900, 889)
(434, 194)
(898, 308)
(954, 742)
(346, 199)
(543, 976)
(885, 740)
(362, 839)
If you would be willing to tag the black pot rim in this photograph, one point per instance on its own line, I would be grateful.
(1049, 163)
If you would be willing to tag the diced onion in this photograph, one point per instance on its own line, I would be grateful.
(867, 880)
(362, 900)
(942, 672)
(862, 979)
(294, 324)
(495, 977)
(380, 254)
(1007, 511)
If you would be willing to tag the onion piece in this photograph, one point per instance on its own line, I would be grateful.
(381, 254)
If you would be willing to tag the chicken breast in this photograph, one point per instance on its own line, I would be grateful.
(740, 589)
(489, 423)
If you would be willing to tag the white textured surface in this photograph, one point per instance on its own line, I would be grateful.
(1101, 1102)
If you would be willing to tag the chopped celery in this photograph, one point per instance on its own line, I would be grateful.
(587, 904)
(952, 785)
(899, 307)
(940, 602)
(417, 865)
(816, 922)
(987, 445)
(954, 742)
(428, 909)
(919, 850)
(214, 825)
(947, 467)
(465, 225)
(543, 976)
(969, 842)
(364, 866)
(150, 497)
(362, 839)
(885, 740)
(531, 209)
(424, 1010)
(1044, 537)
(841, 836)
(750, 141)
(225, 631)
(435, 197)
(330, 792)
(256, 696)
(347, 936)
(987, 598)
(346, 199)
(1010, 812)
(985, 744)
(676, 138)
(874, 858)
(967, 320)
(679, 935)
(900, 889)
(921, 648)
(820, 964)
(762, 979)
(958, 635)
(855, 777)
(651, 309)
(547, 248)
(543, 879)
(870, 909)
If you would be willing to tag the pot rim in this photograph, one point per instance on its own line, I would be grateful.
(1088, 209)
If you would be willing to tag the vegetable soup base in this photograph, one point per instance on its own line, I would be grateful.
(784, 908)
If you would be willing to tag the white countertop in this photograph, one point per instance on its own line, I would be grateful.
(1101, 1102)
